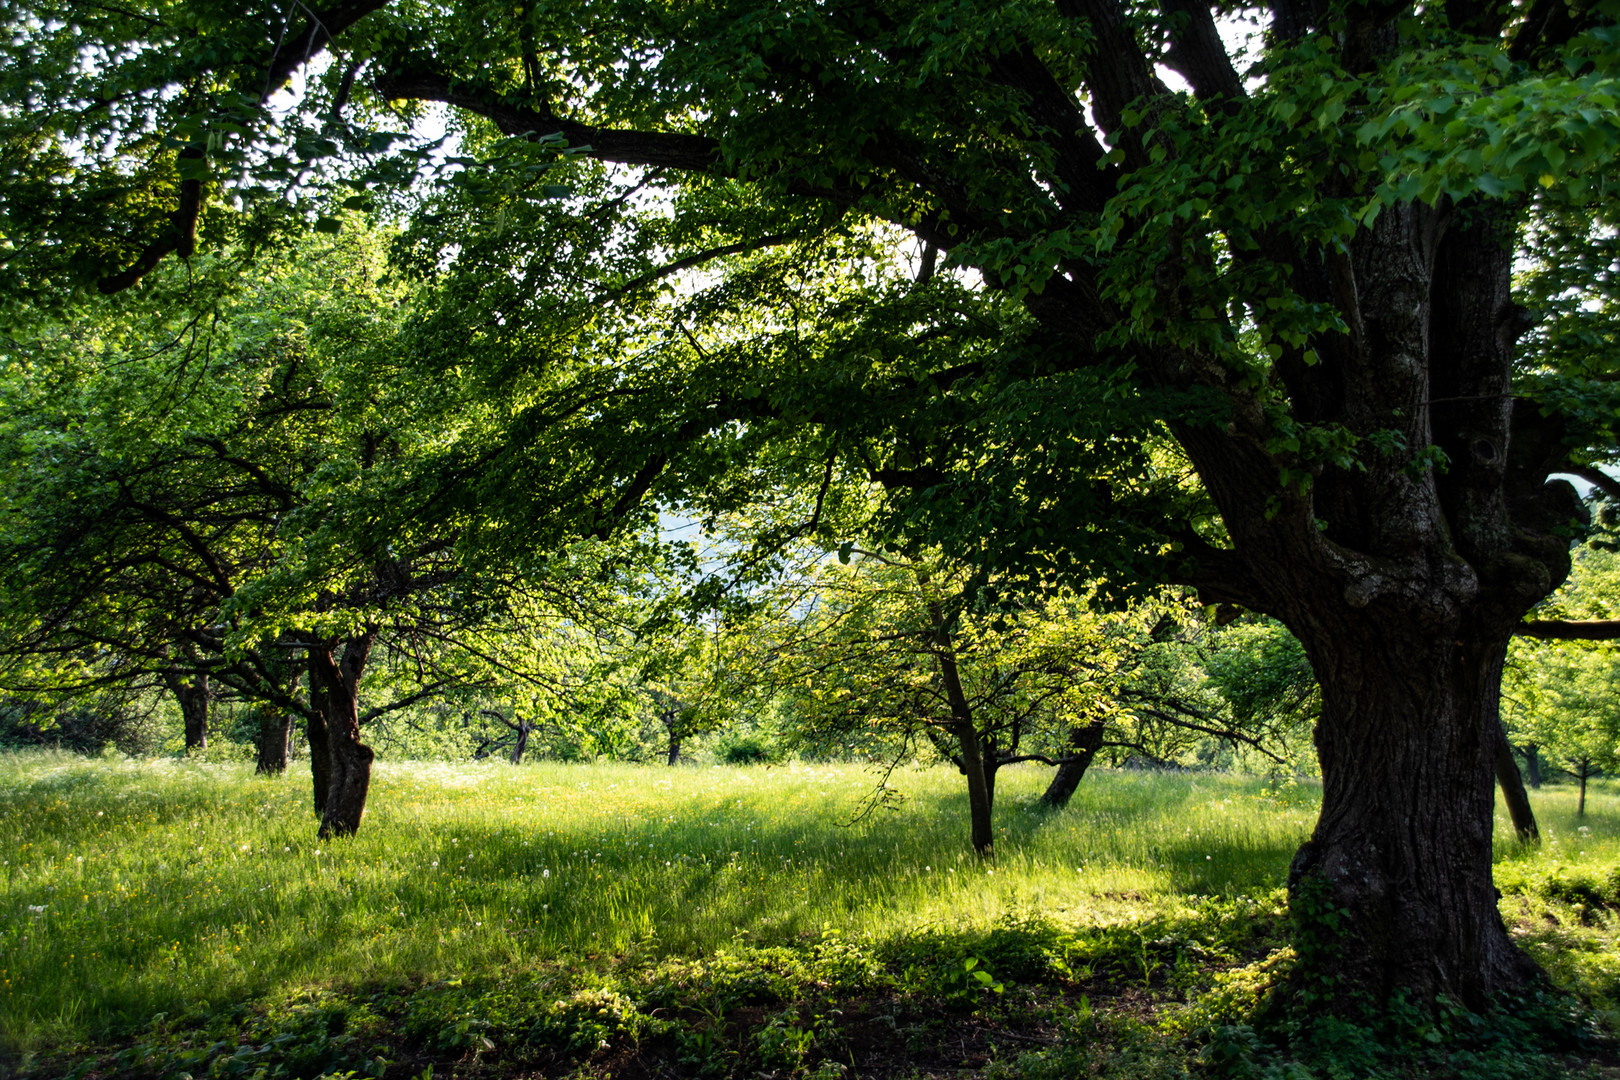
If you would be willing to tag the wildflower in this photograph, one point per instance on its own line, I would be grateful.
(545, 873)
(37, 909)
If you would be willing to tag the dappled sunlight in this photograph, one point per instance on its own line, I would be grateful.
(137, 888)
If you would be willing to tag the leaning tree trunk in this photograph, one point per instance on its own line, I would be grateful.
(1084, 742)
(351, 759)
(191, 693)
(1513, 794)
(521, 743)
(1393, 890)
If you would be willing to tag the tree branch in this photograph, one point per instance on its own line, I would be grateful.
(1570, 629)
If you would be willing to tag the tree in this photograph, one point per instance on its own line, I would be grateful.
(1299, 268)
(1564, 696)
(198, 487)
(893, 657)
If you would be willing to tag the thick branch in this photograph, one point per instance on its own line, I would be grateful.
(657, 149)
(1570, 629)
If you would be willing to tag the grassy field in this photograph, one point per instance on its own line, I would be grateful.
(135, 888)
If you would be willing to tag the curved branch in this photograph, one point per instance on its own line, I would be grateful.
(657, 149)
(1599, 479)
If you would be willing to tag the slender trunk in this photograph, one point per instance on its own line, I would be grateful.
(980, 793)
(674, 749)
(991, 765)
(1580, 807)
(1532, 765)
(1512, 785)
(1393, 890)
(351, 759)
(1083, 745)
(320, 753)
(191, 694)
(522, 742)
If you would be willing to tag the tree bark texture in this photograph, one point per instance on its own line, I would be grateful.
(1513, 793)
(1084, 742)
(350, 777)
(191, 693)
(1394, 887)
(320, 751)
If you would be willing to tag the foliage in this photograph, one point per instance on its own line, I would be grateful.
(1564, 697)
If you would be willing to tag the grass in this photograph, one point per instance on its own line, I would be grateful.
(135, 888)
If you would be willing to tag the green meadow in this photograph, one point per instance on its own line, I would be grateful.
(136, 889)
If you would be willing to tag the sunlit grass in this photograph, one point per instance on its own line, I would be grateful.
(133, 888)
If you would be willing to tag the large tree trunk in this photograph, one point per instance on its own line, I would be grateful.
(191, 693)
(1084, 741)
(1512, 785)
(1404, 582)
(350, 758)
(1393, 890)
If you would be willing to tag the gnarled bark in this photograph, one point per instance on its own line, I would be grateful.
(1394, 887)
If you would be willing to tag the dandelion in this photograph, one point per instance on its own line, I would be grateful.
(37, 909)
(545, 873)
